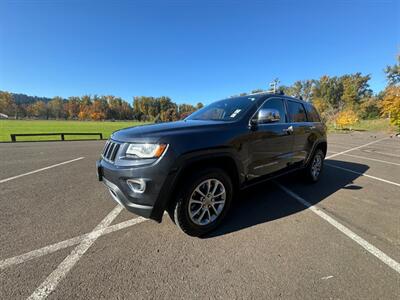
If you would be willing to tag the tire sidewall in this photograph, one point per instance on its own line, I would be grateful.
(181, 212)
(311, 176)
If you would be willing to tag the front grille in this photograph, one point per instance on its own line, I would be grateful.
(110, 150)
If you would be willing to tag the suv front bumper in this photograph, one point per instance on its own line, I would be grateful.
(120, 198)
(115, 179)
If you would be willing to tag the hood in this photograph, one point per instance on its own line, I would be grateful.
(163, 129)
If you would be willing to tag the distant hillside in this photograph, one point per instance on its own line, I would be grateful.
(25, 99)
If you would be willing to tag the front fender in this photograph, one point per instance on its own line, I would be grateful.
(182, 164)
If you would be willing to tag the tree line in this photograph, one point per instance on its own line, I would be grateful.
(340, 99)
(96, 108)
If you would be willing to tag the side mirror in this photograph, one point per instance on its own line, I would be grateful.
(268, 115)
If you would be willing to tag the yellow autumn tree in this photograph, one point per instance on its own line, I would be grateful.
(391, 104)
(346, 118)
(97, 116)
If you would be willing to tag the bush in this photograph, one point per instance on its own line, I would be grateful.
(346, 118)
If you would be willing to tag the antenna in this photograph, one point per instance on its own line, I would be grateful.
(274, 86)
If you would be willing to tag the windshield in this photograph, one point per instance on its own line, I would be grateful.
(224, 110)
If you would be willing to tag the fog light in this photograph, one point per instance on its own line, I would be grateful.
(137, 185)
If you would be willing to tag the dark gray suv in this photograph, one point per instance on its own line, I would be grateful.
(193, 168)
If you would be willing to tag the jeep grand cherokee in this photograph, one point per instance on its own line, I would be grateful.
(193, 168)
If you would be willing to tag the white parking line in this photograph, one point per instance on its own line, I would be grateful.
(383, 153)
(363, 174)
(334, 144)
(338, 146)
(39, 170)
(64, 244)
(356, 238)
(355, 148)
(51, 282)
(368, 158)
(341, 145)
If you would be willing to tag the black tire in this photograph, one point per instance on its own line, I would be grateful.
(179, 211)
(310, 174)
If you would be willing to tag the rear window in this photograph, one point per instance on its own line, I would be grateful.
(312, 114)
(296, 112)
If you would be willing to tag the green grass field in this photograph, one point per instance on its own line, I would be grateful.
(42, 126)
(382, 125)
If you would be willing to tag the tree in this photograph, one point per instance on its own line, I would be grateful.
(96, 111)
(186, 108)
(85, 107)
(71, 107)
(40, 110)
(369, 108)
(393, 72)
(199, 105)
(300, 88)
(56, 107)
(169, 115)
(126, 111)
(391, 104)
(7, 104)
(329, 89)
(355, 87)
(30, 111)
(97, 116)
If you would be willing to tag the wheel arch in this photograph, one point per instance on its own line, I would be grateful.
(321, 144)
(224, 161)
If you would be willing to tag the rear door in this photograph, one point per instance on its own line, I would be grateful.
(270, 146)
(301, 130)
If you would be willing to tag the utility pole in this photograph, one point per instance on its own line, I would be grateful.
(274, 86)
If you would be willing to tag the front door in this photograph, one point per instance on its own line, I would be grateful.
(270, 146)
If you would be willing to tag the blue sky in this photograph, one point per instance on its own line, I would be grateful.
(190, 50)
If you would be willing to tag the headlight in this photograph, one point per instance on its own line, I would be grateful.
(146, 150)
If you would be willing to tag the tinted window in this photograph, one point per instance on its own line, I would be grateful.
(296, 112)
(312, 114)
(224, 110)
(279, 106)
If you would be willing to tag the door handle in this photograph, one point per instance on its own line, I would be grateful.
(288, 130)
(310, 129)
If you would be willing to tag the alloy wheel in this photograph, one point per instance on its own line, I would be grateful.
(207, 201)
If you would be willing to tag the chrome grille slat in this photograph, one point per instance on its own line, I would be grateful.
(114, 153)
(106, 147)
(111, 150)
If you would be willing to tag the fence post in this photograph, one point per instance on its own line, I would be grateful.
(62, 136)
(13, 138)
(101, 136)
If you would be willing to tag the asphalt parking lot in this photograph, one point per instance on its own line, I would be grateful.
(62, 236)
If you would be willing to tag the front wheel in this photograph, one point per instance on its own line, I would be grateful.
(203, 202)
(314, 167)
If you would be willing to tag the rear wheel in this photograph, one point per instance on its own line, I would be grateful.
(315, 166)
(203, 202)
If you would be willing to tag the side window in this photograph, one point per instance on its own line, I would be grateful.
(312, 114)
(279, 106)
(296, 112)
